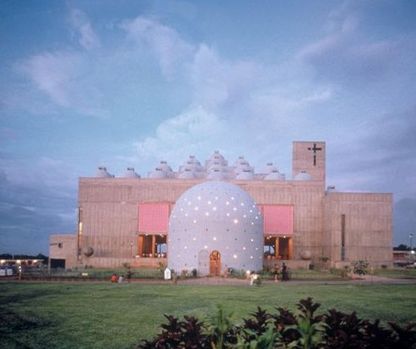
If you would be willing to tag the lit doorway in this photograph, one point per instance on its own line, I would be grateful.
(215, 263)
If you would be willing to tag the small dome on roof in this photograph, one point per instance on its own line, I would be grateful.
(246, 175)
(303, 176)
(216, 158)
(274, 176)
(164, 166)
(130, 173)
(216, 174)
(158, 173)
(186, 174)
(102, 173)
(270, 168)
(191, 164)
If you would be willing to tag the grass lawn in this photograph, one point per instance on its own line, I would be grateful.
(101, 315)
(397, 273)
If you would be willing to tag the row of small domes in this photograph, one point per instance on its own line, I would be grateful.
(216, 168)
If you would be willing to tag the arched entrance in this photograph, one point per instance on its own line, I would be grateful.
(215, 263)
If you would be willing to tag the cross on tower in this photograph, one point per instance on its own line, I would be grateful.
(314, 149)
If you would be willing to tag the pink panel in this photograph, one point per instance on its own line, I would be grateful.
(278, 219)
(153, 218)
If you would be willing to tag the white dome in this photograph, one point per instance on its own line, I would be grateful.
(102, 173)
(215, 216)
(303, 176)
(130, 173)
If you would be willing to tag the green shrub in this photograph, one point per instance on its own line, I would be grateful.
(360, 267)
(283, 329)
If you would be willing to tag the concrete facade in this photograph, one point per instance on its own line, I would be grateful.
(325, 224)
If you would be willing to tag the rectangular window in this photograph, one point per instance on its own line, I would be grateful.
(278, 247)
(343, 237)
(152, 246)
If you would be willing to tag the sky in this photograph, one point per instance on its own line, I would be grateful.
(129, 83)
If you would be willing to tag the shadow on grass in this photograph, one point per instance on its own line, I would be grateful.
(13, 324)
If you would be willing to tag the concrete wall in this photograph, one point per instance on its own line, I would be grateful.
(63, 246)
(109, 213)
(109, 210)
(368, 227)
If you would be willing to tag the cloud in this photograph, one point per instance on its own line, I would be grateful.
(379, 155)
(35, 202)
(52, 73)
(69, 80)
(81, 25)
(170, 49)
(190, 132)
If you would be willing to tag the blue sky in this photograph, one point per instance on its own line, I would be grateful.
(129, 83)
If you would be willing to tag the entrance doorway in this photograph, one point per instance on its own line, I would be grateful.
(215, 263)
(278, 247)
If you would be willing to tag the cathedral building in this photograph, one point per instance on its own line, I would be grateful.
(216, 215)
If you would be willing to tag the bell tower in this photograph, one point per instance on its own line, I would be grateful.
(309, 157)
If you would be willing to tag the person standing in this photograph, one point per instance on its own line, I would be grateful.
(285, 274)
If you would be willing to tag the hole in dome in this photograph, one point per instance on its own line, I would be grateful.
(214, 208)
(234, 256)
(251, 257)
(234, 208)
(235, 221)
(228, 214)
(214, 238)
(242, 204)
(206, 213)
